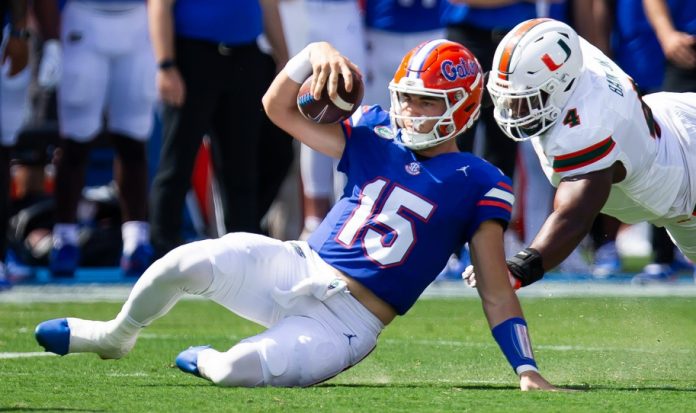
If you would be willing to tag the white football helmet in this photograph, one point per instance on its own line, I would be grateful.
(536, 67)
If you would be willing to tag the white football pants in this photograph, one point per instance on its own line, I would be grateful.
(315, 330)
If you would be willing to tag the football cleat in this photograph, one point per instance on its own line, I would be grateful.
(4, 281)
(187, 360)
(15, 270)
(655, 274)
(54, 336)
(607, 261)
(64, 261)
(681, 263)
(135, 263)
(73, 335)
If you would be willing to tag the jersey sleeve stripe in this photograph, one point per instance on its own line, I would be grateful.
(347, 128)
(500, 194)
(583, 157)
(499, 204)
(505, 185)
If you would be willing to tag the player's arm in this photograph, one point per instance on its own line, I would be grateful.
(326, 64)
(577, 202)
(501, 306)
(679, 47)
(273, 28)
(170, 85)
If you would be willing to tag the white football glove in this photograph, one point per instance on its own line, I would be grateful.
(469, 277)
(51, 66)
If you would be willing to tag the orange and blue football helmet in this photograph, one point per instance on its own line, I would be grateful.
(443, 69)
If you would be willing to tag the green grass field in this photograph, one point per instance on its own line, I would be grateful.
(626, 354)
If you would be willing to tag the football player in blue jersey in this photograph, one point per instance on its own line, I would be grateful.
(411, 198)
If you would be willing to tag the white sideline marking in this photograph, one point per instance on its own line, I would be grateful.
(456, 343)
(137, 374)
(100, 292)
(555, 289)
(26, 355)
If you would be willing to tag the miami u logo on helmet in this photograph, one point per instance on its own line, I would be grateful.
(452, 71)
(548, 61)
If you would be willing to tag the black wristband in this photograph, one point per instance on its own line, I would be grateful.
(166, 64)
(526, 266)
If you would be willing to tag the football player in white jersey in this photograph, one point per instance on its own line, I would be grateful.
(411, 198)
(604, 147)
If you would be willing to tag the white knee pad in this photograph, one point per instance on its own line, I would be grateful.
(299, 352)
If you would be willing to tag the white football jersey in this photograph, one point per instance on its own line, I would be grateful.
(605, 122)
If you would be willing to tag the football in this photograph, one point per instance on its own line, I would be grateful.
(327, 110)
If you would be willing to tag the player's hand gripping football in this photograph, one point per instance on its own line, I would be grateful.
(327, 65)
(469, 277)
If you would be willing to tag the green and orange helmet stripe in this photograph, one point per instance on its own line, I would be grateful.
(511, 45)
(578, 159)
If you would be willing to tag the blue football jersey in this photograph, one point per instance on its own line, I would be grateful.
(402, 216)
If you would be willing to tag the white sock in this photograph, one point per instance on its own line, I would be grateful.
(109, 339)
(134, 233)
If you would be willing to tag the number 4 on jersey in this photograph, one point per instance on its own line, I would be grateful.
(571, 118)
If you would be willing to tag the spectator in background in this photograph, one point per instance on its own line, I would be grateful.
(108, 70)
(22, 109)
(392, 27)
(338, 22)
(674, 24)
(15, 57)
(211, 78)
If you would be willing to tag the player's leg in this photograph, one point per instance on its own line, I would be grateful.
(238, 271)
(80, 104)
(297, 351)
(684, 236)
(4, 210)
(339, 23)
(316, 172)
(183, 129)
(314, 339)
(130, 113)
(237, 143)
(14, 108)
(315, 342)
(130, 172)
